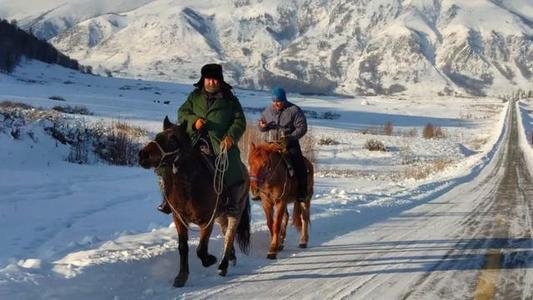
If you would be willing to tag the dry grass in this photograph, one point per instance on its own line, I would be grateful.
(129, 130)
(476, 143)
(424, 170)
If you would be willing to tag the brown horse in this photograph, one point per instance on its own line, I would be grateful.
(187, 183)
(270, 180)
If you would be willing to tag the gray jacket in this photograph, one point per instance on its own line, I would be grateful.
(289, 122)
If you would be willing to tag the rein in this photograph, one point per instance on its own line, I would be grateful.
(221, 166)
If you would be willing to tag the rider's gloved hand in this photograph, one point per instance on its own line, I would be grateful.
(199, 123)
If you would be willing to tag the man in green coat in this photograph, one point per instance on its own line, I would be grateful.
(215, 116)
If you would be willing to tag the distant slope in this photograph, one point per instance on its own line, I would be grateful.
(15, 43)
(321, 46)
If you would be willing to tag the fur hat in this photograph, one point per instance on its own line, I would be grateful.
(212, 71)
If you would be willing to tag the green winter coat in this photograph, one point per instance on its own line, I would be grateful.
(224, 117)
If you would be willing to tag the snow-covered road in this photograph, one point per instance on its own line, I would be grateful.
(474, 241)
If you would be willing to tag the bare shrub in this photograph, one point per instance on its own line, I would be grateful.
(308, 144)
(251, 135)
(119, 146)
(327, 141)
(431, 131)
(372, 131)
(79, 139)
(11, 105)
(388, 128)
(374, 145)
(57, 98)
(78, 109)
(428, 131)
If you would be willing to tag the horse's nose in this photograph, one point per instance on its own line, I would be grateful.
(142, 155)
(143, 158)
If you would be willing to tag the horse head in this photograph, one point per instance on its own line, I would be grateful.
(169, 146)
(260, 163)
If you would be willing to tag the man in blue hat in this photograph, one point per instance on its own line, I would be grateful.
(288, 124)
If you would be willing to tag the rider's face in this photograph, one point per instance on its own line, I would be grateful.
(211, 84)
(278, 105)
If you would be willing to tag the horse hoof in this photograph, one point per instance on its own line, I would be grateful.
(180, 280)
(209, 261)
(223, 272)
(302, 245)
(280, 247)
(271, 255)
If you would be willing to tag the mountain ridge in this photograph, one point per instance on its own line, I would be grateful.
(367, 47)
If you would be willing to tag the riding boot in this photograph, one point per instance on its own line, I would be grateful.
(234, 200)
(302, 188)
(164, 207)
(289, 164)
(300, 170)
(255, 197)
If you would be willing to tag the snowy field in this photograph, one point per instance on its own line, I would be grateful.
(92, 231)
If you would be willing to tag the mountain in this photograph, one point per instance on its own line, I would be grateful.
(475, 47)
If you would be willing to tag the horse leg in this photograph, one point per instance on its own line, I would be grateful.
(283, 232)
(304, 235)
(183, 248)
(228, 246)
(223, 227)
(279, 211)
(202, 251)
(267, 207)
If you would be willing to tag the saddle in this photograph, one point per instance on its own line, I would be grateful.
(290, 166)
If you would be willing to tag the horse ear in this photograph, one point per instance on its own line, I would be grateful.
(166, 123)
(183, 125)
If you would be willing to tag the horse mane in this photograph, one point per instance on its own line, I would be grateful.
(168, 176)
(262, 152)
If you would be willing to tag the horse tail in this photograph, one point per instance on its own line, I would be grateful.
(297, 216)
(243, 229)
(299, 212)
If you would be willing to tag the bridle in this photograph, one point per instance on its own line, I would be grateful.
(259, 180)
(165, 154)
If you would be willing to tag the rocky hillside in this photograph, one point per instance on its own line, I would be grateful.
(475, 47)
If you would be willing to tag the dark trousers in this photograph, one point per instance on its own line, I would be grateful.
(297, 158)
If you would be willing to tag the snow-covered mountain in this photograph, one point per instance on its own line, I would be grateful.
(319, 46)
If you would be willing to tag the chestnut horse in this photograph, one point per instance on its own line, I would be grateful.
(187, 183)
(270, 180)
